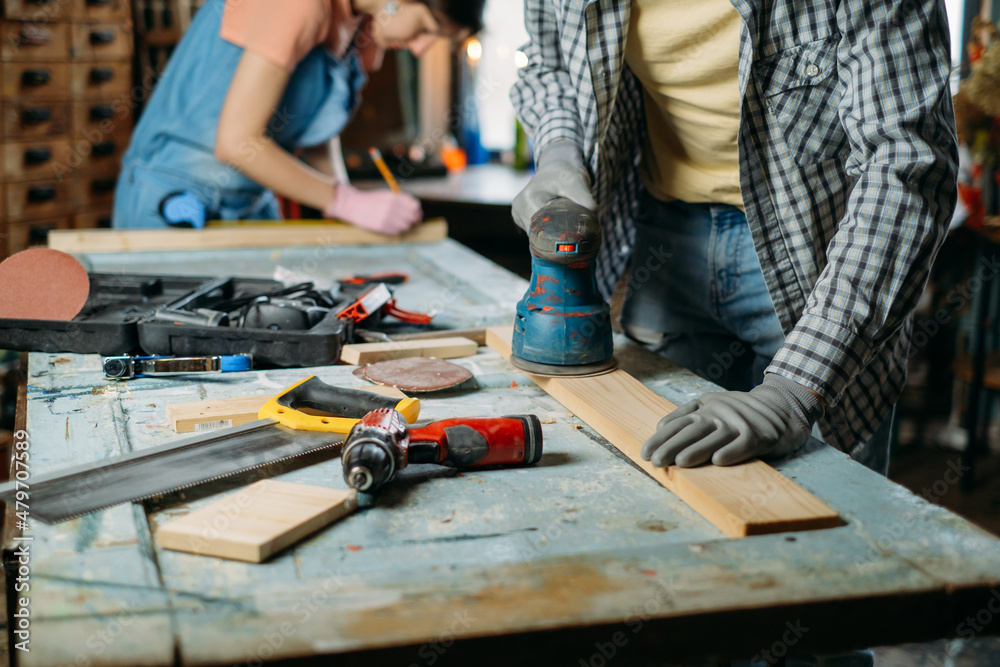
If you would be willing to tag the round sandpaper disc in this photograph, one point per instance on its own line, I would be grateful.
(42, 284)
(415, 374)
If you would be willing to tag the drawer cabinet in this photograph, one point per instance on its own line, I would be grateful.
(37, 160)
(37, 11)
(100, 80)
(101, 41)
(95, 190)
(30, 41)
(99, 10)
(38, 199)
(34, 120)
(35, 81)
(18, 236)
(66, 114)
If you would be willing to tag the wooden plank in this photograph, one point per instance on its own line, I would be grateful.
(451, 347)
(478, 335)
(256, 522)
(747, 499)
(245, 235)
(197, 416)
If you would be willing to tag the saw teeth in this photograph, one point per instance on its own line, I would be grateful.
(67, 517)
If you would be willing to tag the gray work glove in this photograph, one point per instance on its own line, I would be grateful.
(560, 173)
(776, 417)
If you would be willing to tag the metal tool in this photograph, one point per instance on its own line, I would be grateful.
(283, 432)
(127, 367)
(563, 324)
(381, 444)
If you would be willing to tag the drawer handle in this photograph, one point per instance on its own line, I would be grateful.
(104, 149)
(101, 74)
(101, 37)
(98, 3)
(102, 112)
(41, 193)
(102, 186)
(36, 116)
(35, 35)
(39, 235)
(39, 2)
(35, 78)
(36, 156)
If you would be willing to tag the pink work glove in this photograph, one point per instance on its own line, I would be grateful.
(380, 211)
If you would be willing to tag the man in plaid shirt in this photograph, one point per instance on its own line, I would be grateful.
(779, 174)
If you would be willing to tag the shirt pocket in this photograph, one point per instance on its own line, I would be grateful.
(802, 94)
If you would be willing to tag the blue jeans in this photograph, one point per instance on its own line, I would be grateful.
(705, 306)
(698, 297)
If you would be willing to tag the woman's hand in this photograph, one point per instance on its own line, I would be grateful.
(380, 211)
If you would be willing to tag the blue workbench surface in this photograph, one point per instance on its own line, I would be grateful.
(582, 539)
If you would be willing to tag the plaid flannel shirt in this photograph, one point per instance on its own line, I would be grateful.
(848, 162)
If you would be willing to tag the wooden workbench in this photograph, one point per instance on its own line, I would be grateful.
(566, 562)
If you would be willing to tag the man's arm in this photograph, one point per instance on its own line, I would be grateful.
(543, 95)
(894, 65)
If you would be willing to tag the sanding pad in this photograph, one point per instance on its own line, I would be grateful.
(42, 284)
(415, 374)
(575, 371)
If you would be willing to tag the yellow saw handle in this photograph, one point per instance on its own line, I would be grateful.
(347, 406)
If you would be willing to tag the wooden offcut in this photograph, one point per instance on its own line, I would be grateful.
(257, 521)
(443, 348)
(197, 416)
(747, 499)
(247, 234)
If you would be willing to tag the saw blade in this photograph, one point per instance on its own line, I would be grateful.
(149, 473)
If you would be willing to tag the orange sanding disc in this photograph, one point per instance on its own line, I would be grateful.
(42, 284)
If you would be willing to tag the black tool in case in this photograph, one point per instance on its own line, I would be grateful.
(175, 316)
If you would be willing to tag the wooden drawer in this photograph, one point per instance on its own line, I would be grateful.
(95, 190)
(37, 160)
(98, 121)
(23, 41)
(34, 200)
(34, 120)
(101, 41)
(100, 10)
(36, 81)
(100, 80)
(23, 235)
(40, 11)
(97, 219)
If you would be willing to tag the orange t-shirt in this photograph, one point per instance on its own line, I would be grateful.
(285, 32)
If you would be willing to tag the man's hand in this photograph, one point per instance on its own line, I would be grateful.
(730, 427)
(560, 174)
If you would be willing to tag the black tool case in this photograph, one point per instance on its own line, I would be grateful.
(115, 321)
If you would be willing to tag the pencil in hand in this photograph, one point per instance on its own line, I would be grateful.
(383, 169)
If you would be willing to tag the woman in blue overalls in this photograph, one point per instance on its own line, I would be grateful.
(254, 81)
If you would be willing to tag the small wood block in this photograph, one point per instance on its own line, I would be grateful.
(442, 348)
(197, 416)
(747, 499)
(257, 521)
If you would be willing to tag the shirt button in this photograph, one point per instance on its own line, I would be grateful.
(812, 70)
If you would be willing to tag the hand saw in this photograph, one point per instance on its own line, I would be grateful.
(282, 432)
